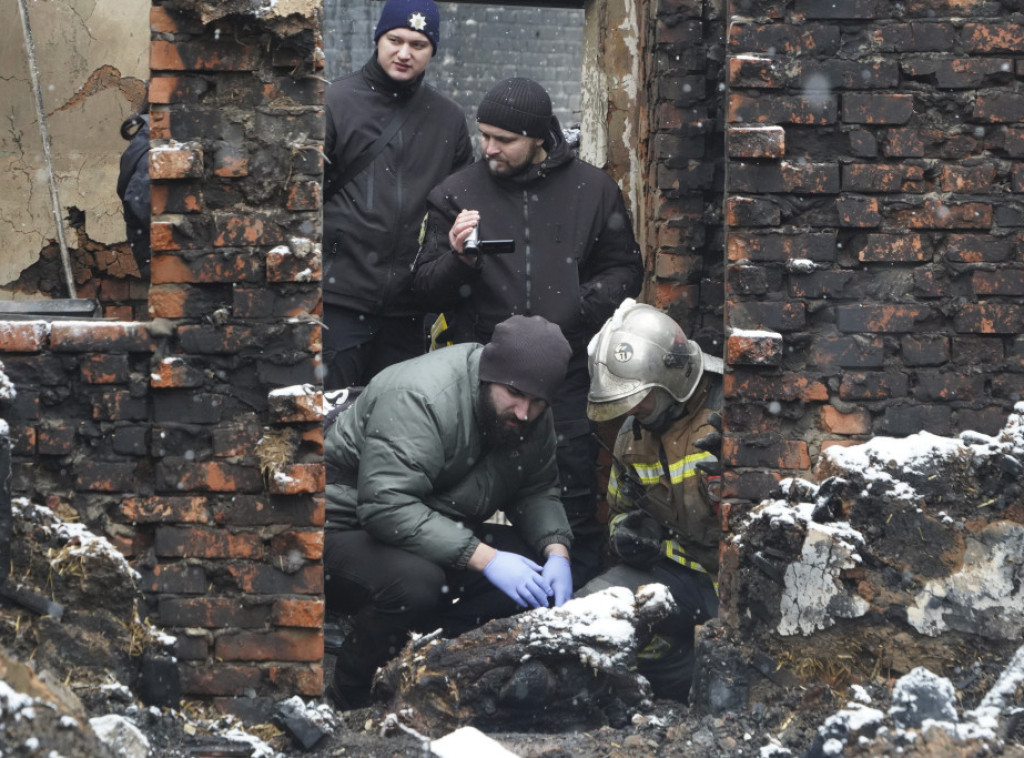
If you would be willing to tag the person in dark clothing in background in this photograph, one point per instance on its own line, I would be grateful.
(390, 138)
(575, 260)
(416, 465)
(133, 187)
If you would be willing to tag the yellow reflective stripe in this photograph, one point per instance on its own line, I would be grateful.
(650, 473)
(675, 552)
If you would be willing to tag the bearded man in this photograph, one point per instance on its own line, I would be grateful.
(575, 259)
(429, 451)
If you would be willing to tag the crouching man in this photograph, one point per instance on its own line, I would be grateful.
(663, 492)
(426, 454)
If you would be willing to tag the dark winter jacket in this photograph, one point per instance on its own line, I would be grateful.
(133, 189)
(372, 224)
(409, 465)
(575, 258)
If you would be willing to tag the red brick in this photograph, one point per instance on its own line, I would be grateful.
(903, 143)
(752, 211)
(784, 388)
(304, 681)
(103, 476)
(301, 612)
(217, 476)
(1001, 107)
(873, 318)
(230, 160)
(308, 545)
(877, 108)
(285, 266)
(118, 312)
(997, 37)
(756, 141)
(167, 301)
(55, 438)
(175, 372)
(858, 211)
(175, 578)
(212, 612)
(895, 248)
(234, 440)
(165, 509)
(160, 20)
(297, 478)
(22, 337)
(280, 645)
(967, 178)
(104, 369)
(178, 162)
(776, 454)
(206, 269)
(873, 385)
(990, 319)
(882, 177)
(1004, 282)
(979, 248)
(101, 337)
(197, 542)
(227, 680)
(295, 405)
(757, 71)
(754, 348)
(781, 109)
(303, 196)
(266, 580)
(934, 214)
(835, 421)
(247, 231)
(178, 197)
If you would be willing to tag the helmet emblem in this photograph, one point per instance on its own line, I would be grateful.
(623, 352)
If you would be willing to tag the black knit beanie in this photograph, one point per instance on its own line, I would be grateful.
(417, 15)
(528, 353)
(517, 105)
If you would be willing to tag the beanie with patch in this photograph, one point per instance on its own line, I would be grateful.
(517, 105)
(529, 354)
(418, 15)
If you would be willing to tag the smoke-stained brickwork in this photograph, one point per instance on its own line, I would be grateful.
(874, 221)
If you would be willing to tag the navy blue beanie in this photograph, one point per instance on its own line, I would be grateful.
(417, 15)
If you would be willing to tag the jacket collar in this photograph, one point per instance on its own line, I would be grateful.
(379, 81)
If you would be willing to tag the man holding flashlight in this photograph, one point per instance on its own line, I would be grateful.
(568, 254)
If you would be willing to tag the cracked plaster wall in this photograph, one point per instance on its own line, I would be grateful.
(92, 57)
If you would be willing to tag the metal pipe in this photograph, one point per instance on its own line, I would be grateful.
(44, 135)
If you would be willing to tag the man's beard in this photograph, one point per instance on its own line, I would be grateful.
(499, 430)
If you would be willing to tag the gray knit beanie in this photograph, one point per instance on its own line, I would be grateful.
(517, 105)
(527, 353)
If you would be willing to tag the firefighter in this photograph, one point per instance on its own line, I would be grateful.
(663, 492)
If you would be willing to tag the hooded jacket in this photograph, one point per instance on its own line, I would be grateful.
(372, 224)
(575, 254)
(410, 465)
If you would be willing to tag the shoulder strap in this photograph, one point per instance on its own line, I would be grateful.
(366, 157)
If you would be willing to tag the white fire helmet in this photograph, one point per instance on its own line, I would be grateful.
(637, 349)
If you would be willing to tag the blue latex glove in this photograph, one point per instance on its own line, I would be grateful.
(519, 578)
(559, 576)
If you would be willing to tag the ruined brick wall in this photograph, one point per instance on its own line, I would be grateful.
(168, 436)
(874, 244)
(682, 234)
